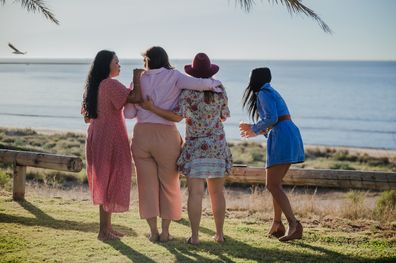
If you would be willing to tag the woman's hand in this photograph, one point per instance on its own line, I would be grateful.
(137, 72)
(246, 130)
(135, 96)
(147, 104)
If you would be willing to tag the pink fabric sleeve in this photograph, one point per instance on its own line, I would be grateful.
(117, 93)
(130, 111)
(187, 82)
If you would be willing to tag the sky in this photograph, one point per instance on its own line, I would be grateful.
(362, 29)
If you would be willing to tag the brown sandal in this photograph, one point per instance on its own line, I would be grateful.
(297, 234)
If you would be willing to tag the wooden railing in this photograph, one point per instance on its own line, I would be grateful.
(22, 159)
(319, 177)
(240, 174)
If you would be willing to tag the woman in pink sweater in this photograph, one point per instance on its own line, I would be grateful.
(156, 142)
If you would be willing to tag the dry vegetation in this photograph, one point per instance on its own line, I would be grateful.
(340, 226)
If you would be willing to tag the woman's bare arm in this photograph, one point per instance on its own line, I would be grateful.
(166, 114)
(135, 96)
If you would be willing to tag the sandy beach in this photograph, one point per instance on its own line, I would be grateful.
(375, 152)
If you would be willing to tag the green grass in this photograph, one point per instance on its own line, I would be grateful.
(64, 229)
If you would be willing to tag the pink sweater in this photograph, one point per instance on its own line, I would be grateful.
(164, 87)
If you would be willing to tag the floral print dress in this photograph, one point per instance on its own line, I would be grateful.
(205, 153)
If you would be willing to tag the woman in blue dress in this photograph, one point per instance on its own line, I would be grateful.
(284, 145)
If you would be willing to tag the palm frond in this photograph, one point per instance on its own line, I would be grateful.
(246, 4)
(36, 6)
(293, 6)
(39, 6)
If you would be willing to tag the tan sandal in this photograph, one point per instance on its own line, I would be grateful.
(297, 234)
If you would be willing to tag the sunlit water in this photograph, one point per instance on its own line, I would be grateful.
(333, 103)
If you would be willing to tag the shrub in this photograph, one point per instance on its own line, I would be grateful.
(316, 153)
(20, 132)
(4, 178)
(355, 208)
(341, 166)
(345, 156)
(386, 203)
(257, 156)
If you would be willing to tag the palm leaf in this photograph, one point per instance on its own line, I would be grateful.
(293, 6)
(36, 6)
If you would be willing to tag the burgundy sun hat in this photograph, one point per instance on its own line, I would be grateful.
(201, 67)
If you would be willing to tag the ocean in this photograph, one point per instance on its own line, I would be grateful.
(335, 103)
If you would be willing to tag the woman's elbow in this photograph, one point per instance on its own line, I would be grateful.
(134, 98)
(273, 120)
(270, 119)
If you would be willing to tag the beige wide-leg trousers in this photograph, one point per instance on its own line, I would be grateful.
(155, 149)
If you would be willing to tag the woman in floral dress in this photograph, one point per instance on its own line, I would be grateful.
(205, 155)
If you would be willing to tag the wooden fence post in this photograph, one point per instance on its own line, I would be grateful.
(19, 182)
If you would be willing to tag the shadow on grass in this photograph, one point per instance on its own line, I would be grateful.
(44, 220)
(129, 252)
(334, 255)
(233, 249)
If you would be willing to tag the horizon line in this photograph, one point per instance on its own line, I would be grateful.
(82, 60)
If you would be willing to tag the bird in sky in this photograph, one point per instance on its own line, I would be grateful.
(16, 51)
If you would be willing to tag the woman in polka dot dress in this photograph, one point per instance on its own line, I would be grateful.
(107, 148)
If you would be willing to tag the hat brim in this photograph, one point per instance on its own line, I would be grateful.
(200, 73)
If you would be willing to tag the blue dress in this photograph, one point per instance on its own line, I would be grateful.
(284, 144)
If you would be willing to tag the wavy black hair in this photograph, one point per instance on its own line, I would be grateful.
(157, 58)
(100, 70)
(258, 77)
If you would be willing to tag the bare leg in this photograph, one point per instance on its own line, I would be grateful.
(275, 175)
(154, 235)
(165, 236)
(216, 192)
(277, 229)
(105, 225)
(196, 189)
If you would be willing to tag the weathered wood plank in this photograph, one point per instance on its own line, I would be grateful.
(41, 160)
(319, 177)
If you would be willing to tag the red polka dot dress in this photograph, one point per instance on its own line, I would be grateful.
(108, 154)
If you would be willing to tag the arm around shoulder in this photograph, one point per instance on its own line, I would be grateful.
(166, 114)
(186, 82)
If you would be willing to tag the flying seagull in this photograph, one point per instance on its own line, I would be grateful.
(16, 51)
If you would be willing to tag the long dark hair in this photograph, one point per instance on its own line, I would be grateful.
(157, 58)
(258, 78)
(100, 70)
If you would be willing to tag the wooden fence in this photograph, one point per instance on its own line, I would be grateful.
(240, 174)
(22, 159)
(319, 177)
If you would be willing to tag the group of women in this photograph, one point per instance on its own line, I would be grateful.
(158, 97)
